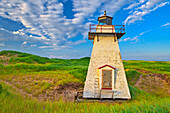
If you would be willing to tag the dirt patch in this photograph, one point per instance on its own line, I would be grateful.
(138, 81)
(5, 59)
(20, 91)
(154, 83)
(65, 92)
(68, 91)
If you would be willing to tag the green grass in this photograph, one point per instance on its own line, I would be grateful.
(132, 76)
(152, 66)
(142, 102)
(38, 75)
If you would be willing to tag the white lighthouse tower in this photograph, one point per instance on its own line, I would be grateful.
(106, 76)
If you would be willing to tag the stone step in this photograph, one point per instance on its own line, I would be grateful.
(110, 91)
(106, 94)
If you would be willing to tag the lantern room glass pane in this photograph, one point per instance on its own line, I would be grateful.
(102, 22)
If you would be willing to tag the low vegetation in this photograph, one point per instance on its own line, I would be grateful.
(30, 83)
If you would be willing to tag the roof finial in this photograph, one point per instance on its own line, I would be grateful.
(105, 13)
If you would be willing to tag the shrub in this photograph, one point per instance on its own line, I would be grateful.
(132, 76)
(1, 88)
(24, 59)
(134, 92)
(9, 52)
(79, 73)
(12, 60)
(23, 55)
(38, 59)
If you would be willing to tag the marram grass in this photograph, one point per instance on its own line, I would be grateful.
(141, 102)
(12, 103)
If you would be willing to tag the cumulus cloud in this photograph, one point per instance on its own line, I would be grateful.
(18, 32)
(83, 9)
(138, 10)
(45, 22)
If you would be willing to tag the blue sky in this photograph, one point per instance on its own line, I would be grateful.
(59, 28)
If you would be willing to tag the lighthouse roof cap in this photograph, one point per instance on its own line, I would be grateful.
(104, 16)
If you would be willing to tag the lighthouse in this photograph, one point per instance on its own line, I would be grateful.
(106, 77)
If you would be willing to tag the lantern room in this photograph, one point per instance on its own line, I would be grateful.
(105, 20)
(105, 26)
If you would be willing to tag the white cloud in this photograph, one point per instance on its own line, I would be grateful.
(131, 6)
(59, 56)
(45, 22)
(134, 39)
(143, 8)
(45, 47)
(77, 42)
(2, 44)
(147, 31)
(33, 45)
(83, 9)
(126, 39)
(160, 5)
(18, 32)
(112, 6)
(134, 4)
(86, 8)
(15, 32)
(24, 43)
(167, 24)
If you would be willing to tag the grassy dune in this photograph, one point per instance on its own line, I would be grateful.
(141, 102)
(39, 77)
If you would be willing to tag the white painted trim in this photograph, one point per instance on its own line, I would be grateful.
(114, 71)
(113, 76)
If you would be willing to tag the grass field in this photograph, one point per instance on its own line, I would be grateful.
(30, 83)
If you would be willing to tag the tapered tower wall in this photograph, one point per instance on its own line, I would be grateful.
(106, 51)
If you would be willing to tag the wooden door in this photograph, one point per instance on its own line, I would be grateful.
(107, 79)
